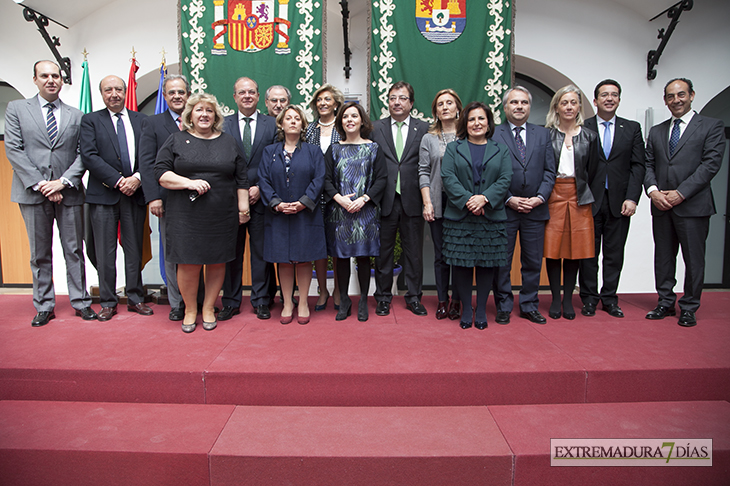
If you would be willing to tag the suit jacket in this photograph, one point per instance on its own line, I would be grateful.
(625, 165)
(408, 165)
(265, 135)
(457, 175)
(155, 131)
(537, 175)
(101, 156)
(585, 158)
(35, 159)
(696, 160)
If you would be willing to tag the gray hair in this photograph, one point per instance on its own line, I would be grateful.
(278, 86)
(506, 94)
(172, 77)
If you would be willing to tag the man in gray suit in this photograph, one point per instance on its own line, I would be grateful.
(42, 144)
(683, 154)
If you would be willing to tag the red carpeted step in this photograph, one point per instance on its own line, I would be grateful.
(361, 446)
(529, 428)
(75, 444)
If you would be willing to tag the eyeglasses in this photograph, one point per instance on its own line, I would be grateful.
(278, 100)
(173, 92)
(402, 99)
(242, 92)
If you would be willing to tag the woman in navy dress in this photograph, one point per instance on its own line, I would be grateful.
(354, 184)
(291, 175)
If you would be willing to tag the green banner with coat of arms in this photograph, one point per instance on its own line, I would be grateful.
(270, 41)
(465, 45)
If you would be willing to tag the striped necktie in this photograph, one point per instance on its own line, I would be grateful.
(51, 125)
(674, 137)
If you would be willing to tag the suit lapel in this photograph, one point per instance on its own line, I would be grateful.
(412, 134)
(261, 122)
(530, 146)
(694, 123)
(387, 131)
(65, 119)
(106, 122)
(136, 121)
(38, 116)
(170, 124)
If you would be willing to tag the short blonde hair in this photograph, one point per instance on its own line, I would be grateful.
(196, 99)
(336, 94)
(280, 120)
(552, 120)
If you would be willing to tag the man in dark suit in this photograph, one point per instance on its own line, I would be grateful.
(533, 177)
(42, 145)
(155, 131)
(616, 189)
(253, 131)
(683, 154)
(399, 137)
(109, 150)
(276, 99)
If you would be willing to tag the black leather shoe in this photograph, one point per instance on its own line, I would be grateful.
(455, 310)
(383, 308)
(262, 312)
(442, 310)
(534, 316)
(660, 312)
(87, 314)
(502, 317)
(481, 325)
(42, 318)
(613, 310)
(687, 319)
(417, 308)
(176, 314)
(588, 310)
(227, 312)
(362, 309)
(465, 325)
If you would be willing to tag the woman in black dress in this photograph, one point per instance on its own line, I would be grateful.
(291, 176)
(206, 175)
(476, 173)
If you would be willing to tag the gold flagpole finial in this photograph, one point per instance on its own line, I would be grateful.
(85, 53)
(164, 61)
(134, 53)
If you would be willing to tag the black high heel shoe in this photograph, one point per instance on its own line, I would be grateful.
(362, 309)
(344, 311)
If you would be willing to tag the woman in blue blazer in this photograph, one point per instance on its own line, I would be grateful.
(291, 177)
(476, 173)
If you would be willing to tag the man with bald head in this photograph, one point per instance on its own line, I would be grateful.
(277, 98)
(41, 142)
(109, 150)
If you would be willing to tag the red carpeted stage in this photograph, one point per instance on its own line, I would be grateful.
(396, 400)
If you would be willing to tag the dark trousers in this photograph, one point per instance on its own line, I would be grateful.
(611, 233)
(670, 233)
(532, 241)
(129, 217)
(411, 236)
(262, 272)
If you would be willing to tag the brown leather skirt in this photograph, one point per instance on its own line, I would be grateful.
(569, 231)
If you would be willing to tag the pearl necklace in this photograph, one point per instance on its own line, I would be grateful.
(321, 124)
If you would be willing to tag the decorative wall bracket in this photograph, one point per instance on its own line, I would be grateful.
(346, 35)
(42, 21)
(673, 13)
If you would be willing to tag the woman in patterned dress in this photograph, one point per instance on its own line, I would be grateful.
(354, 183)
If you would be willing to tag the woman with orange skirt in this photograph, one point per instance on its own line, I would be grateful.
(569, 232)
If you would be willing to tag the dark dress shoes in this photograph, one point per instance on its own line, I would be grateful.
(383, 308)
(107, 313)
(502, 317)
(87, 314)
(660, 312)
(141, 309)
(344, 311)
(588, 310)
(417, 308)
(262, 312)
(613, 310)
(177, 314)
(42, 318)
(687, 319)
(442, 311)
(227, 312)
(455, 310)
(533, 316)
(481, 325)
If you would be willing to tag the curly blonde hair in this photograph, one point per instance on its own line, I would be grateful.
(194, 100)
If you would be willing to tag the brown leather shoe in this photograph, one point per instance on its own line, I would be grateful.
(141, 309)
(107, 313)
(455, 310)
(442, 310)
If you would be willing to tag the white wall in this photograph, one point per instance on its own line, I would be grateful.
(563, 36)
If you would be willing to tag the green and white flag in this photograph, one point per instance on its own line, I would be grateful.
(269, 41)
(465, 45)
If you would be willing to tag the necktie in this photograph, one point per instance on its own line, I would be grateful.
(247, 138)
(178, 121)
(606, 143)
(123, 148)
(520, 144)
(674, 137)
(398, 151)
(51, 124)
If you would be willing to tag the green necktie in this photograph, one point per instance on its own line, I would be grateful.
(398, 152)
(247, 138)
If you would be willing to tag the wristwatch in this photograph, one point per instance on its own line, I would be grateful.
(365, 198)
